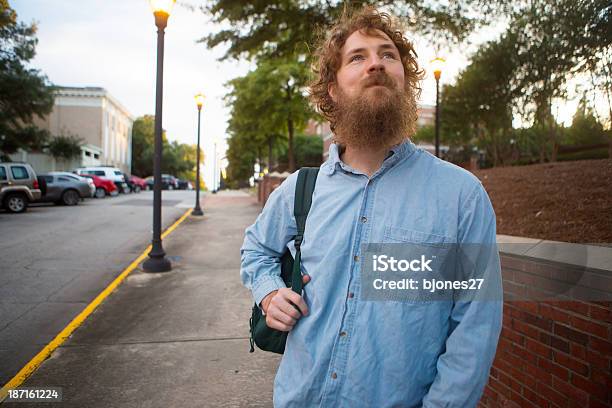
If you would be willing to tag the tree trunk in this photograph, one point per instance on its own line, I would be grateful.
(270, 138)
(290, 131)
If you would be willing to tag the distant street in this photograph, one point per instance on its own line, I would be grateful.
(55, 259)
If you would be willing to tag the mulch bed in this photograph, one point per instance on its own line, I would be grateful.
(564, 201)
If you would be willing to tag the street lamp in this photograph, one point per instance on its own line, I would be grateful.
(437, 65)
(157, 261)
(199, 98)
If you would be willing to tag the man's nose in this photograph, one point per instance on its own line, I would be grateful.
(376, 65)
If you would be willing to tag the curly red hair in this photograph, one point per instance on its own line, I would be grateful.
(328, 55)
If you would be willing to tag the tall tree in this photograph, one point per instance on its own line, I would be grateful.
(266, 103)
(24, 92)
(288, 27)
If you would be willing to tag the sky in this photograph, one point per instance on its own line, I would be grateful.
(112, 44)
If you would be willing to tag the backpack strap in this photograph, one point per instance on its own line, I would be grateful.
(307, 178)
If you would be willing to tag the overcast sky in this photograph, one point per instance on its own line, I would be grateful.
(112, 44)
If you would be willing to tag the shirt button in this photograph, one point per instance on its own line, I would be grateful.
(334, 376)
(342, 333)
(356, 258)
(351, 294)
(364, 219)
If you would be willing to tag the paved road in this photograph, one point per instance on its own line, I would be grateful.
(54, 260)
(177, 339)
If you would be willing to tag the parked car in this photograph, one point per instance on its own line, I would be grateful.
(76, 177)
(110, 173)
(168, 182)
(184, 184)
(19, 186)
(138, 183)
(103, 187)
(64, 190)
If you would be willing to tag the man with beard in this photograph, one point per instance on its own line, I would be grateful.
(348, 346)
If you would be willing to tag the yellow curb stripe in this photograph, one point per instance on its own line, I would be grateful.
(45, 353)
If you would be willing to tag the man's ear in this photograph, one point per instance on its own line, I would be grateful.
(331, 90)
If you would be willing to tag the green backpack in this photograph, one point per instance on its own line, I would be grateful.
(263, 336)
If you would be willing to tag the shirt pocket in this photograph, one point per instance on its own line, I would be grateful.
(403, 235)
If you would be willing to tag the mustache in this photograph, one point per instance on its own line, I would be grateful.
(379, 78)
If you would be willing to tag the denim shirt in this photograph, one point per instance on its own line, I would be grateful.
(351, 352)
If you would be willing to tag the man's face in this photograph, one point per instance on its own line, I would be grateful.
(374, 109)
(365, 61)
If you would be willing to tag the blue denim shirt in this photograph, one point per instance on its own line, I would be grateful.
(351, 352)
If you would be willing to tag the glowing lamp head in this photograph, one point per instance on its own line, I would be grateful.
(437, 65)
(162, 6)
(199, 98)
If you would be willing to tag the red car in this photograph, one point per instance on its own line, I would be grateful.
(138, 183)
(104, 187)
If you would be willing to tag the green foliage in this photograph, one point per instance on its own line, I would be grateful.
(308, 151)
(425, 134)
(24, 92)
(268, 106)
(177, 159)
(65, 147)
(585, 129)
(283, 28)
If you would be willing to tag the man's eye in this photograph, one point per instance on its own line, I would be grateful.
(389, 55)
(355, 57)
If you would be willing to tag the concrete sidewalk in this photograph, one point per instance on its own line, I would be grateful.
(177, 339)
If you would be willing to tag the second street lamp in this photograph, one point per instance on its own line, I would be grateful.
(197, 210)
(157, 261)
(437, 65)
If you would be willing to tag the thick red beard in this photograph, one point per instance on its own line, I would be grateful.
(377, 117)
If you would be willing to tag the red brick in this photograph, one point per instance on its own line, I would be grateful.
(538, 348)
(590, 387)
(601, 377)
(591, 327)
(508, 333)
(602, 346)
(525, 354)
(538, 374)
(570, 334)
(526, 329)
(574, 365)
(577, 351)
(554, 369)
(559, 344)
(531, 396)
(575, 306)
(597, 359)
(554, 313)
(552, 395)
(593, 403)
(576, 394)
(530, 307)
(603, 314)
(540, 322)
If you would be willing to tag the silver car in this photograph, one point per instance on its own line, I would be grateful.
(76, 177)
(65, 190)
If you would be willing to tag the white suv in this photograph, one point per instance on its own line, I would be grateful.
(110, 173)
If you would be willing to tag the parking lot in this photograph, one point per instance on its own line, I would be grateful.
(55, 259)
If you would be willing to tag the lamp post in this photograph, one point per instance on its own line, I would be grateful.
(197, 210)
(157, 261)
(437, 65)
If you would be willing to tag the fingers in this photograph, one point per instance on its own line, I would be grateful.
(282, 313)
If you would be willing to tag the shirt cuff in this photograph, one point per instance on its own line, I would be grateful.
(264, 285)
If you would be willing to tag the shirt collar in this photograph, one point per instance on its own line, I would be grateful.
(396, 153)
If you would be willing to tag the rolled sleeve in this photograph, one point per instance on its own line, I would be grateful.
(266, 241)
